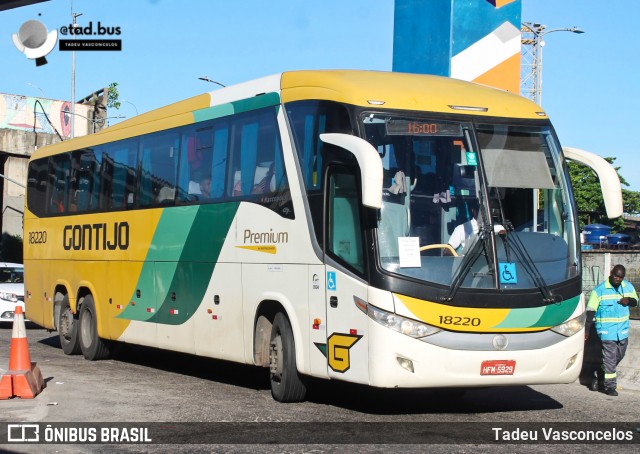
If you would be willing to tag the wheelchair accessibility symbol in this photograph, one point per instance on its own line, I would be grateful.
(331, 280)
(508, 273)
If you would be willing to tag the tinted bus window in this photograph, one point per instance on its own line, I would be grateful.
(37, 186)
(158, 169)
(309, 119)
(85, 190)
(59, 177)
(204, 161)
(257, 165)
(118, 176)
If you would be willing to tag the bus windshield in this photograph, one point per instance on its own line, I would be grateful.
(486, 205)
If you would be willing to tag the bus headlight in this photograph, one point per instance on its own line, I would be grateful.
(571, 327)
(398, 323)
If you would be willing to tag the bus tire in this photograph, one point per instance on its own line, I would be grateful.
(93, 348)
(286, 384)
(68, 329)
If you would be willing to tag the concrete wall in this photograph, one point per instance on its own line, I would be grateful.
(24, 128)
(13, 197)
(18, 146)
(26, 113)
(597, 265)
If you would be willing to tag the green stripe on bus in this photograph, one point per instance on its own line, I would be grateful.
(235, 107)
(211, 113)
(257, 102)
(555, 314)
(173, 228)
(180, 263)
(541, 317)
(197, 262)
(523, 317)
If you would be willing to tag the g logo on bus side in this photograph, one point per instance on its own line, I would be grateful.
(338, 350)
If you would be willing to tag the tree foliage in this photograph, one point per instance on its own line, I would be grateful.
(113, 96)
(10, 248)
(631, 201)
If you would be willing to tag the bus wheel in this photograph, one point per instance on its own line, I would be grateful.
(286, 384)
(93, 348)
(68, 329)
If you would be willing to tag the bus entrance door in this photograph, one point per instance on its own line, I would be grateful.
(318, 316)
(347, 355)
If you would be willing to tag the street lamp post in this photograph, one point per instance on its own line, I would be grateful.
(134, 106)
(95, 121)
(35, 86)
(206, 79)
(73, 72)
(532, 34)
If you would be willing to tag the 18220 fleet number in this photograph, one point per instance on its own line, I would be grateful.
(38, 237)
(459, 321)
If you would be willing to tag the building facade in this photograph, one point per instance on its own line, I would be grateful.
(28, 123)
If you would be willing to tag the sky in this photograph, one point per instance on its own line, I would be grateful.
(590, 87)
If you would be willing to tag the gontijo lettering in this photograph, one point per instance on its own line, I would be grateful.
(87, 237)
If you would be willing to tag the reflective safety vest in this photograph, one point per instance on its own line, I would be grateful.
(612, 319)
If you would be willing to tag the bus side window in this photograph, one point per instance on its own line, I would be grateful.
(203, 162)
(245, 155)
(119, 180)
(86, 173)
(257, 165)
(158, 169)
(219, 159)
(308, 120)
(37, 186)
(199, 162)
(59, 171)
(270, 175)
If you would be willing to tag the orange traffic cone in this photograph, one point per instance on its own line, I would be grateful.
(23, 379)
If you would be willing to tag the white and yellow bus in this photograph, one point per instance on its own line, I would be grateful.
(301, 222)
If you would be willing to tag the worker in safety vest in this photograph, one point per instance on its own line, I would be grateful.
(609, 307)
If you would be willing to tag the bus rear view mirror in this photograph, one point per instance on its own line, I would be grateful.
(369, 163)
(608, 176)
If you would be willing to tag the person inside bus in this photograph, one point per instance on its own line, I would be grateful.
(463, 231)
(200, 185)
(205, 188)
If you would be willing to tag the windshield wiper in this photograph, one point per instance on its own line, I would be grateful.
(521, 253)
(477, 249)
(480, 247)
(513, 241)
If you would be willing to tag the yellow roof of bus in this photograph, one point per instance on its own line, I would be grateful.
(405, 91)
(361, 88)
